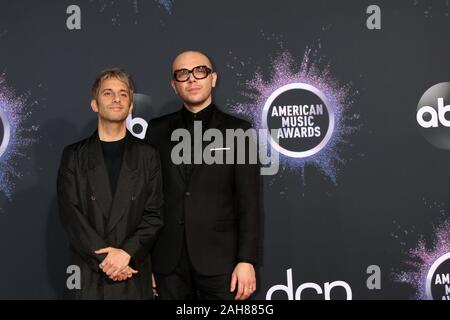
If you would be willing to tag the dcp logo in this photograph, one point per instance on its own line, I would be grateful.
(5, 132)
(433, 115)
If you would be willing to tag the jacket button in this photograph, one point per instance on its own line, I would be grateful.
(93, 198)
(187, 193)
(180, 222)
(133, 198)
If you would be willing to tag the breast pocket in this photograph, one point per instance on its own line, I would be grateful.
(220, 155)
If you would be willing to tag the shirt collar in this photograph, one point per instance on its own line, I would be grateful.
(203, 115)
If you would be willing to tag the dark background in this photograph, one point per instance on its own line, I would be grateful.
(393, 181)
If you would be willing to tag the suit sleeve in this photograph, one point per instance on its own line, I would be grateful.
(247, 200)
(138, 245)
(81, 235)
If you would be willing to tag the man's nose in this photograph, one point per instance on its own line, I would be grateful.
(191, 78)
(116, 97)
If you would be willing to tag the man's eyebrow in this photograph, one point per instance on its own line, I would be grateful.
(121, 90)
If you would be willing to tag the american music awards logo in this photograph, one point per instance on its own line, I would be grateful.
(428, 266)
(309, 110)
(16, 135)
(302, 118)
(437, 285)
(5, 132)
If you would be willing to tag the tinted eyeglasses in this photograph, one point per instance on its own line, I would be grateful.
(199, 72)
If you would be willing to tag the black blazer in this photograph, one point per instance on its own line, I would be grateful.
(221, 204)
(93, 219)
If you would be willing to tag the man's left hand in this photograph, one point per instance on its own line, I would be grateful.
(115, 262)
(244, 279)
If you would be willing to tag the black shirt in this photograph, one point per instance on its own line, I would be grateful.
(188, 119)
(113, 155)
(203, 115)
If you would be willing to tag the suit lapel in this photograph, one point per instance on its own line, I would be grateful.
(98, 175)
(125, 185)
(214, 123)
(177, 124)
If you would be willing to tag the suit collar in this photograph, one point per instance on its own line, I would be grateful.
(113, 208)
(203, 115)
(211, 113)
(215, 120)
(96, 153)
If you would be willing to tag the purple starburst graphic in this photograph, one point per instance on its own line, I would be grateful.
(422, 257)
(340, 97)
(433, 8)
(16, 136)
(167, 4)
(115, 19)
(111, 7)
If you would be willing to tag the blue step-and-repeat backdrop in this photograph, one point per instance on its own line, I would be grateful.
(358, 207)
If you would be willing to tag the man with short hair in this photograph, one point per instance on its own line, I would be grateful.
(209, 245)
(110, 198)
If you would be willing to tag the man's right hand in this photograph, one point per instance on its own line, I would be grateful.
(115, 262)
(125, 275)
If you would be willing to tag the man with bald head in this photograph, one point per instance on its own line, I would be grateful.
(209, 245)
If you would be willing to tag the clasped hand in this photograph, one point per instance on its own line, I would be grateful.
(116, 264)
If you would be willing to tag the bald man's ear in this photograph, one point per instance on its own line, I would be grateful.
(172, 83)
(214, 79)
(94, 105)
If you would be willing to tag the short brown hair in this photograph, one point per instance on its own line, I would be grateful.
(115, 73)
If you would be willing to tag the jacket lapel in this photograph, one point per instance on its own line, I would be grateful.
(98, 175)
(177, 124)
(125, 185)
(214, 123)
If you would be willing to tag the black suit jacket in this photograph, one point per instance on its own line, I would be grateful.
(93, 219)
(219, 207)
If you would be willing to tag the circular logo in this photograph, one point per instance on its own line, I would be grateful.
(302, 118)
(433, 115)
(438, 279)
(5, 132)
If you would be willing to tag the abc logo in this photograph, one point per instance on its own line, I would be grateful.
(4, 132)
(433, 115)
(141, 110)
